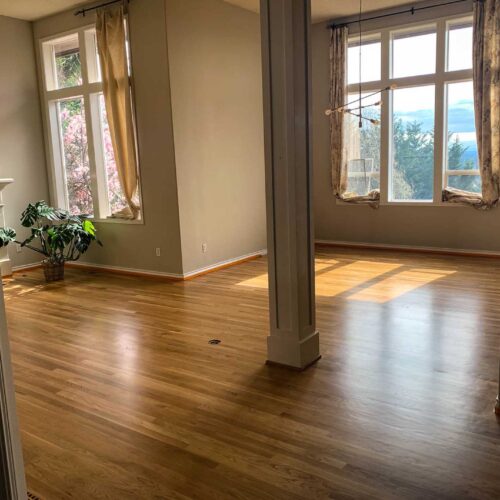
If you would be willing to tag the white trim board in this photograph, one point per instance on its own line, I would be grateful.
(408, 248)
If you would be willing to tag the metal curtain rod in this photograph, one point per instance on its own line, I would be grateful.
(83, 11)
(411, 11)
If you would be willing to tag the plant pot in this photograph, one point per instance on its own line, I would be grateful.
(52, 271)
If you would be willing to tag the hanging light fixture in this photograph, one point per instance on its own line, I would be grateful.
(357, 111)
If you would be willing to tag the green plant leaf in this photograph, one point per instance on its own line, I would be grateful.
(7, 235)
(88, 227)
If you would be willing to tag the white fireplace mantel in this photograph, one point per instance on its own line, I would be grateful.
(5, 264)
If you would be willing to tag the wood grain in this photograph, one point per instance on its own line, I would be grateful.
(121, 396)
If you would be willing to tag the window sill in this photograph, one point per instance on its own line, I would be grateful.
(401, 204)
(111, 220)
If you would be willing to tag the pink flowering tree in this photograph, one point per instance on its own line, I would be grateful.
(76, 159)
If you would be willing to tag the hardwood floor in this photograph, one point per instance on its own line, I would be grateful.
(120, 395)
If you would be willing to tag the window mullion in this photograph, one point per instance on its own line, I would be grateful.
(385, 120)
(89, 122)
(439, 119)
(94, 185)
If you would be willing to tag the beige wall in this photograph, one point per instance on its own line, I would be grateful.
(130, 245)
(216, 193)
(216, 85)
(446, 227)
(21, 142)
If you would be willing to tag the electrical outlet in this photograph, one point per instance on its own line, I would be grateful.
(19, 248)
(204, 247)
(158, 252)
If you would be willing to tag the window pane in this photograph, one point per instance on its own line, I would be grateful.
(115, 194)
(462, 147)
(412, 169)
(73, 131)
(459, 47)
(363, 145)
(413, 54)
(93, 65)
(370, 62)
(465, 182)
(64, 67)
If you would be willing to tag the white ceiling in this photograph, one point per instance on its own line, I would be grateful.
(331, 9)
(36, 9)
(321, 9)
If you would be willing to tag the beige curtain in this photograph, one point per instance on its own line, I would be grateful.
(486, 79)
(342, 134)
(110, 29)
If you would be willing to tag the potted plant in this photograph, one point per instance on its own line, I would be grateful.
(61, 236)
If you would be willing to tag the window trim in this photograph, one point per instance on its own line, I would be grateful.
(440, 79)
(89, 91)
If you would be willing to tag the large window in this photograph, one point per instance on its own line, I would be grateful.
(85, 177)
(426, 137)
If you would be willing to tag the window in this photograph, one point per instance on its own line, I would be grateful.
(459, 54)
(369, 50)
(414, 53)
(462, 164)
(363, 148)
(426, 138)
(84, 169)
(412, 144)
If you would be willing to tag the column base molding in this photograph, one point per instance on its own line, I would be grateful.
(5, 267)
(284, 351)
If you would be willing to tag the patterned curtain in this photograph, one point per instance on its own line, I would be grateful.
(486, 79)
(111, 43)
(341, 133)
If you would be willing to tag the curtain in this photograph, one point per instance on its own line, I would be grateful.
(344, 135)
(111, 44)
(486, 80)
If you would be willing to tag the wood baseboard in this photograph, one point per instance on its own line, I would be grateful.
(165, 276)
(408, 249)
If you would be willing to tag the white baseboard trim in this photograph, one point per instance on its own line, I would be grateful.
(408, 248)
(173, 276)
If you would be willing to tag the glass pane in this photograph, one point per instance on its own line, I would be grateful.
(67, 71)
(465, 182)
(73, 130)
(93, 65)
(462, 146)
(115, 194)
(363, 144)
(413, 54)
(370, 62)
(412, 169)
(459, 47)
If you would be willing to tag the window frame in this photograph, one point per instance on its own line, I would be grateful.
(439, 79)
(89, 91)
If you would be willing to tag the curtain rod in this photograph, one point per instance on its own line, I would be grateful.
(83, 11)
(411, 11)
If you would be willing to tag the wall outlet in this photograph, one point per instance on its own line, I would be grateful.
(19, 248)
(204, 247)
(158, 252)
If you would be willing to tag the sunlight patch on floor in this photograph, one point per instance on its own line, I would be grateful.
(262, 282)
(344, 278)
(398, 284)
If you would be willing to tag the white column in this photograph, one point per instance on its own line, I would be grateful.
(293, 339)
(5, 264)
